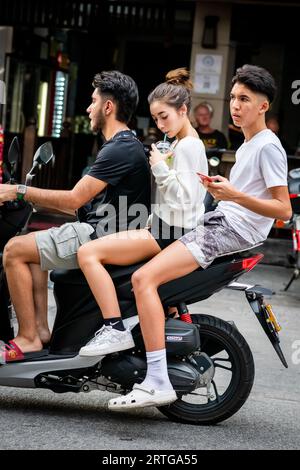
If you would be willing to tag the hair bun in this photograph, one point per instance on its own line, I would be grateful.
(179, 77)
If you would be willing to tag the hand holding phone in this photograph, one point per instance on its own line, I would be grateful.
(204, 177)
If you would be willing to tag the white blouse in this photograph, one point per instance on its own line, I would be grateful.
(180, 195)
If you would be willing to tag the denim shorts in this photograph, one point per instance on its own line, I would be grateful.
(214, 237)
(58, 246)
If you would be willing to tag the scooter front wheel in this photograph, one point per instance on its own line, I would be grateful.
(231, 381)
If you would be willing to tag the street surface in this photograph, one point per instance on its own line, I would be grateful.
(270, 419)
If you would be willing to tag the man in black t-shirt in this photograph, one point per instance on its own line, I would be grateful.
(122, 164)
(104, 200)
(212, 138)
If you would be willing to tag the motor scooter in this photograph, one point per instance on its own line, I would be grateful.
(210, 364)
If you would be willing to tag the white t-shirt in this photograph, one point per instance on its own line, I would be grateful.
(179, 195)
(261, 163)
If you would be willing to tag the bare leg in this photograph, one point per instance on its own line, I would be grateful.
(40, 297)
(123, 248)
(173, 262)
(19, 253)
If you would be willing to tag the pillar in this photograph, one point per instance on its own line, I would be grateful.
(213, 68)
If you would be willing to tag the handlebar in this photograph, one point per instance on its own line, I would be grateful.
(11, 206)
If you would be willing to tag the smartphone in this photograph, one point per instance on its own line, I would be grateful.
(205, 177)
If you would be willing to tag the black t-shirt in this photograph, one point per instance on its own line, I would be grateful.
(122, 163)
(213, 139)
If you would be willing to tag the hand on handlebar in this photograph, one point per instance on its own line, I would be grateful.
(8, 192)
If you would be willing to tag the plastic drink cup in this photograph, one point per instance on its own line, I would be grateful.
(164, 146)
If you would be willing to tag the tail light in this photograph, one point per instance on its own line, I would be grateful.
(293, 196)
(296, 240)
(280, 223)
(249, 263)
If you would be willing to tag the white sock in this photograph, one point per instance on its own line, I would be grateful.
(157, 377)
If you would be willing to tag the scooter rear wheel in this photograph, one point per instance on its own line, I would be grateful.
(232, 381)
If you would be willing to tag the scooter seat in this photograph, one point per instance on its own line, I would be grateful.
(76, 276)
(78, 315)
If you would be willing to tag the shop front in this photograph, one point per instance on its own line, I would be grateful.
(52, 52)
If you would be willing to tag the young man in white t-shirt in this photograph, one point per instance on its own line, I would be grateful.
(255, 194)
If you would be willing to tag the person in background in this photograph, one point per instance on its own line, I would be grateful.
(273, 124)
(212, 138)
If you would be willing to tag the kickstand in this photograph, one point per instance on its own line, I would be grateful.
(295, 275)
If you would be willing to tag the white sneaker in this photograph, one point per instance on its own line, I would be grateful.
(107, 340)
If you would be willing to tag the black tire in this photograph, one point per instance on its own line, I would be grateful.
(216, 336)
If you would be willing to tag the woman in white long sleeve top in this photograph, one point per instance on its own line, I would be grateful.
(179, 196)
(178, 209)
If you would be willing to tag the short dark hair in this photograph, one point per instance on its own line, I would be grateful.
(257, 79)
(121, 89)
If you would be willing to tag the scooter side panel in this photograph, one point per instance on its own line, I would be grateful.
(22, 374)
(78, 317)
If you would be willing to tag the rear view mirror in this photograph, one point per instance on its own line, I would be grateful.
(41, 157)
(43, 154)
(14, 151)
(13, 157)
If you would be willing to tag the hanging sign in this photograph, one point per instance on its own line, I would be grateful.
(208, 69)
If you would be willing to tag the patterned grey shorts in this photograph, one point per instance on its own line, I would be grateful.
(212, 238)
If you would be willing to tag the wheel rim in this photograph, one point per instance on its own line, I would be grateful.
(225, 380)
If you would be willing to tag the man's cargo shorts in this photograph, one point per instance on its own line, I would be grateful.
(58, 246)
